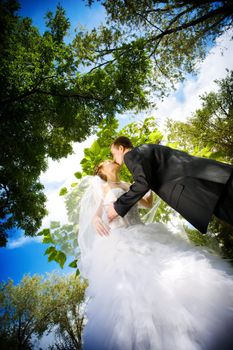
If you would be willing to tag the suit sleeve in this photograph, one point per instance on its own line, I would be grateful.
(138, 189)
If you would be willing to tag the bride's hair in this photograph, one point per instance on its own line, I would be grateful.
(99, 171)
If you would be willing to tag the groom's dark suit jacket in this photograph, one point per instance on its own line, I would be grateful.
(191, 185)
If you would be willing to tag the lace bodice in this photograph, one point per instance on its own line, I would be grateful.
(131, 218)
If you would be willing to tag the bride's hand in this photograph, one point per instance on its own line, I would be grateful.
(112, 214)
(101, 228)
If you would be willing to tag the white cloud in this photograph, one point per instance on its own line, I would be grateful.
(61, 174)
(22, 240)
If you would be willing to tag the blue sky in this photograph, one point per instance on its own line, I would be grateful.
(28, 258)
(26, 255)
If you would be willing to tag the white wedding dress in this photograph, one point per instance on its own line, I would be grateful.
(149, 289)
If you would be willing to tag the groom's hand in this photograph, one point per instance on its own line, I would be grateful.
(112, 214)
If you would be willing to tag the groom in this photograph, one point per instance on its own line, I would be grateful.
(195, 187)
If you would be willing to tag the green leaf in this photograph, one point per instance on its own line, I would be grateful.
(54, 224)
(63, 191)
(73, 263)
(44, 232)
(77, 273)
(47, 239)
(60, 258)
(84, 161)
(78, 175)
(49, 250)
(52, 256)
(95, 148)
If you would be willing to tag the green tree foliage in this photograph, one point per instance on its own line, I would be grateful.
(209, 130)
(35, 306)
(174, 35)
(50, 98)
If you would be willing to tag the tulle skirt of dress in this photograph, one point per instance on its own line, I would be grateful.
(149, 289)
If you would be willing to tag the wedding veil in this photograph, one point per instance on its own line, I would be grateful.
(90, 188)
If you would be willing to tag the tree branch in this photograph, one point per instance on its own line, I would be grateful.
(226, 10)
(27, 93)
(147, 20)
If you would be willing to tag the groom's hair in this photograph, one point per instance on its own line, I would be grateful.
(122, 141)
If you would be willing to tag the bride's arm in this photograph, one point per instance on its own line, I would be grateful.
(101, 228)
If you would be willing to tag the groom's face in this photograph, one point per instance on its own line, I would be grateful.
(118, 154)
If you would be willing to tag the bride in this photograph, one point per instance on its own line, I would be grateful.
(149, 289)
